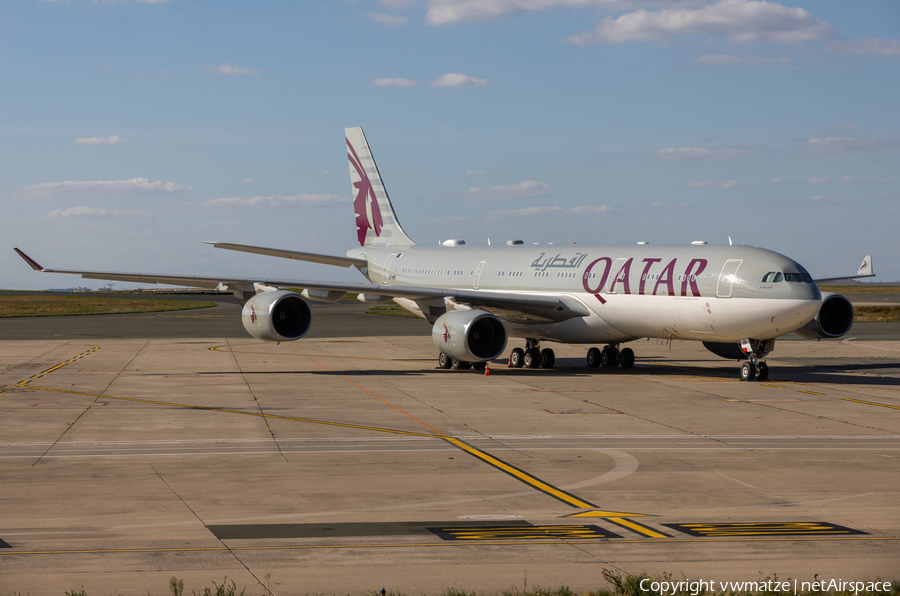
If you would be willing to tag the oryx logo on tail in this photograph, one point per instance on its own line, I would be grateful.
(365, 202)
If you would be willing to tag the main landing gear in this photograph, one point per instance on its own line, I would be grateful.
(755, 369)
(610, 357)
(532, 356)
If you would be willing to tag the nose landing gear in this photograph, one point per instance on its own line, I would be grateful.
(755, 369)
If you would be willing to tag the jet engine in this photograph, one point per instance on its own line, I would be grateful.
(277, 316)
(469, 335)
(834, 319)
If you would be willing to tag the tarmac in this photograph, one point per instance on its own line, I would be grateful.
(136, 448)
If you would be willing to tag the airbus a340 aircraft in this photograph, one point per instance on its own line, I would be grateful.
(735, 299)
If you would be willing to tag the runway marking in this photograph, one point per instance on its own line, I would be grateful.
(762, 529)
(445, 544)
(521, 475)
(811, 392)
(497, 463)
(637, 528)
(561, 532)
(57, 367)
(871, 403)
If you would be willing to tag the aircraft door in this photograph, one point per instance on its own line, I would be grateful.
(477, 276)
(727, 277)
(386, 275)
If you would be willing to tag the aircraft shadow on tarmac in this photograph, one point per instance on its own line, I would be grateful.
(834, 374)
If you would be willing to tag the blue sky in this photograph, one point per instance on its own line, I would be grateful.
(132, 131)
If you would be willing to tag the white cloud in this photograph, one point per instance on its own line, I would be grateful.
(726, 184)
(235, 70)
(473, 173)
(250, 181)
(776, 181)
(276, 200)
(455, 79)
(393, 83)
(449, 12)
(387, 19)
(545, 211)
(715, 59)
(739, 20)
(92, 212)
(343, 172)
(820, 200)
(828, 144)
(697, 153)
(398, 4)
(817, 180)
(112, 140)
(867, 45)
(528, 188)
(102, 186)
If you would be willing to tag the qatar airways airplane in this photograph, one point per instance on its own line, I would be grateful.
(735, 299)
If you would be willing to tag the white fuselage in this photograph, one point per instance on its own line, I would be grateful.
(702, 292)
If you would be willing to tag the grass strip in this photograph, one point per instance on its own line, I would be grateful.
(57, 306)
(391, 310)
(876, 314)
(862, 289)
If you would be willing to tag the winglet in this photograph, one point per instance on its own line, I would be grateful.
(867, 268)
(34, 265)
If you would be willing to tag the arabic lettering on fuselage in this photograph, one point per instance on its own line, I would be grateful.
(559, 261)
(597, 274)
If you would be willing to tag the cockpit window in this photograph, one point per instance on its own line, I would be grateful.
(795, 277)
(772, 276)
(807, 277)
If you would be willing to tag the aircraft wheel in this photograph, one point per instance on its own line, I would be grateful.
(444, 361)
(479, 366)
(747, 371)
(608, 358)
(455, 364)
(548, 358)
(762, 371)
(517, 358)
(593, 357)
(627, 358)
(532, 359)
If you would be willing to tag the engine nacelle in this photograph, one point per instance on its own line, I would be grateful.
(277, 316)
(834, 319)
(731, 351)
(469, 335)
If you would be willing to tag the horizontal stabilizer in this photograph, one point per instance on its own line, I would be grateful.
(293, 254)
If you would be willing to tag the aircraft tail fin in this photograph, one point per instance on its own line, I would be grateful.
(376, 223)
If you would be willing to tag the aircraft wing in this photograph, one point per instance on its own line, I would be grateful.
(867, 269)
(518, 306)
(293, 254)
